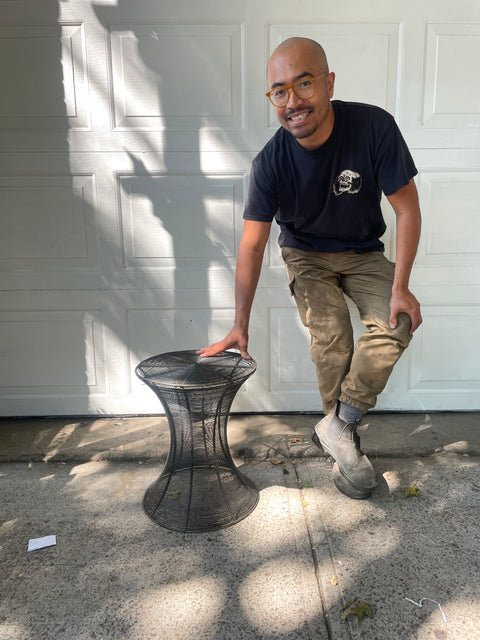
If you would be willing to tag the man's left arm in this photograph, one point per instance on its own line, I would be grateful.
(408, 223)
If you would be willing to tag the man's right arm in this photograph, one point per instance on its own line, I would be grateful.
(249, 264)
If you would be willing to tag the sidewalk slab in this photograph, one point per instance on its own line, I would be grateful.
(285, 572)
(258, 436)
(390, 548)
(116, 574)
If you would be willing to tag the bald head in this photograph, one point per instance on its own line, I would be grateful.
(294, 63)
(298, 46)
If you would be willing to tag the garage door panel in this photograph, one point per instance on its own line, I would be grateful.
(451, 225)
(445, 355)
(37, 100)
(441, 107)
(450, 99)
(291, 368)
(43, 353)
(158, 209)
(48, 222)
(177, 76)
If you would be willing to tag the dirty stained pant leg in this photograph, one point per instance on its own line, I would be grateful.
(356, 374)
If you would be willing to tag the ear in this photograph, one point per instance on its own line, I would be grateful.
(330, 84)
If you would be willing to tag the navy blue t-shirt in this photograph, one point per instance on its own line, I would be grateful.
(328, 199)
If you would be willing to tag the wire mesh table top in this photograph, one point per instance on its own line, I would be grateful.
(188, 370)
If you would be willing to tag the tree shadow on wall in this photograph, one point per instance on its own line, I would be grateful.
(179, 219)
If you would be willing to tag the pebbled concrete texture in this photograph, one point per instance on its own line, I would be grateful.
(285, 572)
(258, 436)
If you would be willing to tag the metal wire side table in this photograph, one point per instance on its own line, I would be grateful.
(200, 488)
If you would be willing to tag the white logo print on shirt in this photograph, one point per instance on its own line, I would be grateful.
(347, 182)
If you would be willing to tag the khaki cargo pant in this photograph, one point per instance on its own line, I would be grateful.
(318, 282)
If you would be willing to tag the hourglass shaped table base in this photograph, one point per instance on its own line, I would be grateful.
(200, 488)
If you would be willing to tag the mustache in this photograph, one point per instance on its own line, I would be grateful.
(292, 112)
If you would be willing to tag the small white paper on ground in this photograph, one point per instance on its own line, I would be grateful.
(40, 543)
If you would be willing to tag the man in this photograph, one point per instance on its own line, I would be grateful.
(321, 177)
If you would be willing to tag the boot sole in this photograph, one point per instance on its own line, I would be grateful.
(344, 485)
(316, 441)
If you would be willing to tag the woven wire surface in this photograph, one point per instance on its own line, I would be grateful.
(200, 488)
(188, 369)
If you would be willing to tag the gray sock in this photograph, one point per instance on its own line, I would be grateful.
(347, 413)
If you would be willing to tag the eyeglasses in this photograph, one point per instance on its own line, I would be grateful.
(303, 89)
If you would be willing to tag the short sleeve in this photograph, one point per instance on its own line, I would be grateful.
(394, 165)
(262, 197)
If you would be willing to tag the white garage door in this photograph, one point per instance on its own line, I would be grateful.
(127, 128)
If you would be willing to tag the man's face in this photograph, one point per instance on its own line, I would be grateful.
(310, 121)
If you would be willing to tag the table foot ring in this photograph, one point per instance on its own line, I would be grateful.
(203, 500)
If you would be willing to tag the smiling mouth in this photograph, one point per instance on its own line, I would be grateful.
(298, 118)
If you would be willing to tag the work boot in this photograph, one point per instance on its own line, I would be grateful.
(345, 450)
(345, 486)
